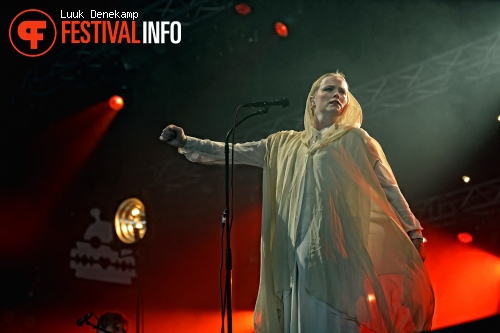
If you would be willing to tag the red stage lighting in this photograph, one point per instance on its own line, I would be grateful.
(243, 9)
(116, 103)
(465, 237)
(281, 29)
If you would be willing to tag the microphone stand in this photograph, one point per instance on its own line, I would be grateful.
(226, 223)
(138, 291)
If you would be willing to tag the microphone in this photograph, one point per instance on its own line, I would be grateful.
(279, 102)
(84, 319)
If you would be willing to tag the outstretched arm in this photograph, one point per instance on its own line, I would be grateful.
(213, 152)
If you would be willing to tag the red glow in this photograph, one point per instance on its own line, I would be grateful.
(116, 103)
(465, 237)
(243, 9)
(67, 144)
(465, 280)
(58, 153)
(281, 29)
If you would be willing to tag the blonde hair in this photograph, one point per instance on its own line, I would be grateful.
(315, 86)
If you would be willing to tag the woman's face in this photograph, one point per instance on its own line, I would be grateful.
(331, 98)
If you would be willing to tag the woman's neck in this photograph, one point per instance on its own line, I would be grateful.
(321, 122)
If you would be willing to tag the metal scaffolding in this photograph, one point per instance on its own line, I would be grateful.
(450, 207)
(429, 78)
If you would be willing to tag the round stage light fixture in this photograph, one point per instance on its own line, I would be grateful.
(466, 179)
(465, 237)
(130, 221)
(243, 9)
(116, 102)
(281, 29)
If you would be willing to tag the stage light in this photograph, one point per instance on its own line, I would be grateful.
(371, 297)
(465, 237)
(130, 221)
(116, 102)
(281, 29)
(498, 118)
(243, 9)
(424, 240)
(466, 179)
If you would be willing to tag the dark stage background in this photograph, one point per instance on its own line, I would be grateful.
(425, 72)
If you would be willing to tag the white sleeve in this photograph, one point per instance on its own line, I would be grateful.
(212, 152)
(393, 193)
